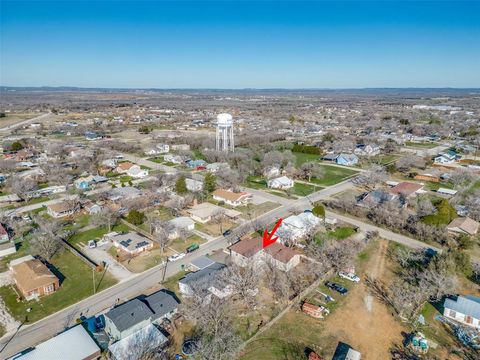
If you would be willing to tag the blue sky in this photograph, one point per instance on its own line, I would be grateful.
(245, 44)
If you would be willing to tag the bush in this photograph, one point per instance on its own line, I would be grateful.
(319, 210)
(445, 214)
(307, 149)
(135, 217)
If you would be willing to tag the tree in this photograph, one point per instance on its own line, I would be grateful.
(135, 217)
(106, 216)
(209, 183)
(22, 187)
(311, 169)
(163, 231)
(44, 245)
(181, 185)
(372, 177)
(218, 217)
(319, 211)
(17, 146)
(243, 280)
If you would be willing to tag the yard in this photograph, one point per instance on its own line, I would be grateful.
(141, 262)
(94, 234)
(256, 182)
(75, 285)
(333, 175)
(302, 158)
(357, 319)
(422, 145)
(215, 229)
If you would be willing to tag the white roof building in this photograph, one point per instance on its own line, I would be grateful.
(296, 226)
(283, 182)
(73, 344)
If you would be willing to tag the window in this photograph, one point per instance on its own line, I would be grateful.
(49, 288)
(453, 314)
(468, 319)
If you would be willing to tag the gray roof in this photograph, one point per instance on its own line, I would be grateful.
(467, 305)
(134, 311)
(206, 275)
(202, 262)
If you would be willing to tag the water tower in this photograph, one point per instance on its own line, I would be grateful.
(224, 138)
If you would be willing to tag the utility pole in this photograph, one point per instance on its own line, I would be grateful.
(93, 279)
(164, 270)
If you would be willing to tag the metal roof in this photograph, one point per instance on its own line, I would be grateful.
(73, 344)
(202, 262)
(467, 305)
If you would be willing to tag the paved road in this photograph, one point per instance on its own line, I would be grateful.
(24, 122)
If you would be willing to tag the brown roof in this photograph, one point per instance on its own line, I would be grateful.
(32, 274)
(61, 207)
(466, 224)
(125, 165)
(406, 188)
(250, 247)
(229, 195)
(280, 252)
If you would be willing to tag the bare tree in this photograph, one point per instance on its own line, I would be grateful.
(244, 281)
(22, 187)
(163, 231)
(218, 217)
(107, 216)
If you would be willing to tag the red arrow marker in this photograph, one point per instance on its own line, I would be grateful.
(268, 239)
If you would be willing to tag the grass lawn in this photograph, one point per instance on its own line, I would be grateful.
(302, 189)
(213, 229)
(333, 175)
(75, 286)
(435, 186)
(423, 145)
(172, 282)
(255, 210)
(341, 233)
(181, 245)
(256, 182)
(94, 234)
(156, 159)
(301, 158)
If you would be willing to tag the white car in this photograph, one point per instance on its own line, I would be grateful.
(176, 257)
(349, 276)
(92, 244)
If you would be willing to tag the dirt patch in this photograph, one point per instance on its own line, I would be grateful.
(362, 321)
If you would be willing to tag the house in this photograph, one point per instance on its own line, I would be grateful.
(367, 150)
(35, 174)
(297, 226)
(406, 189)
(122, 349)
(33, 278)
(72, 344)
(61, 209)
(123, 167)
(7, 248)
(128, 318)
(193, 164)
(346, 352)
(174, 159)
(194, 185)
(330, 157)
(109, 163)
(347, 159)
(131, 243)
(137, 172)
(201, 263)
(181, 223)
(123, 193)
(283, 182)
(464, 309)
(271, 172)
(92, 208)
(204, 212)
(163, 148)
(91, 135)
(231, 198)
(252, 251)
(464, 225)
(448, 157)
(216, 167)
(205, 282)
(152, 152)
(180, 147)
(83, 183)
(375, 198)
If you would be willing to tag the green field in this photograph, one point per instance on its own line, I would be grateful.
(302, 189)
(302, 158)
(423, 145)
(333, 175)
(256, 182)
(76, 284)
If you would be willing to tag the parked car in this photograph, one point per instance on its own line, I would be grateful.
(349, 276)
(192, 248)
(92, 244)
(176, 257)
(337, 287)
(228, 232)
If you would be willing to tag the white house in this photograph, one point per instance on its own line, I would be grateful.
(216, 167)
(282, 182)
(137, 172)
(297, 226)
(163, 148)
(464, 309)
(179, 224)
(445, 159)
(61, 209)
(271, 172)
(174, 159)
(131, 243)
(231, 198)
(367, 150)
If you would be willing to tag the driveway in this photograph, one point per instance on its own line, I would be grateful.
(100, 254)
